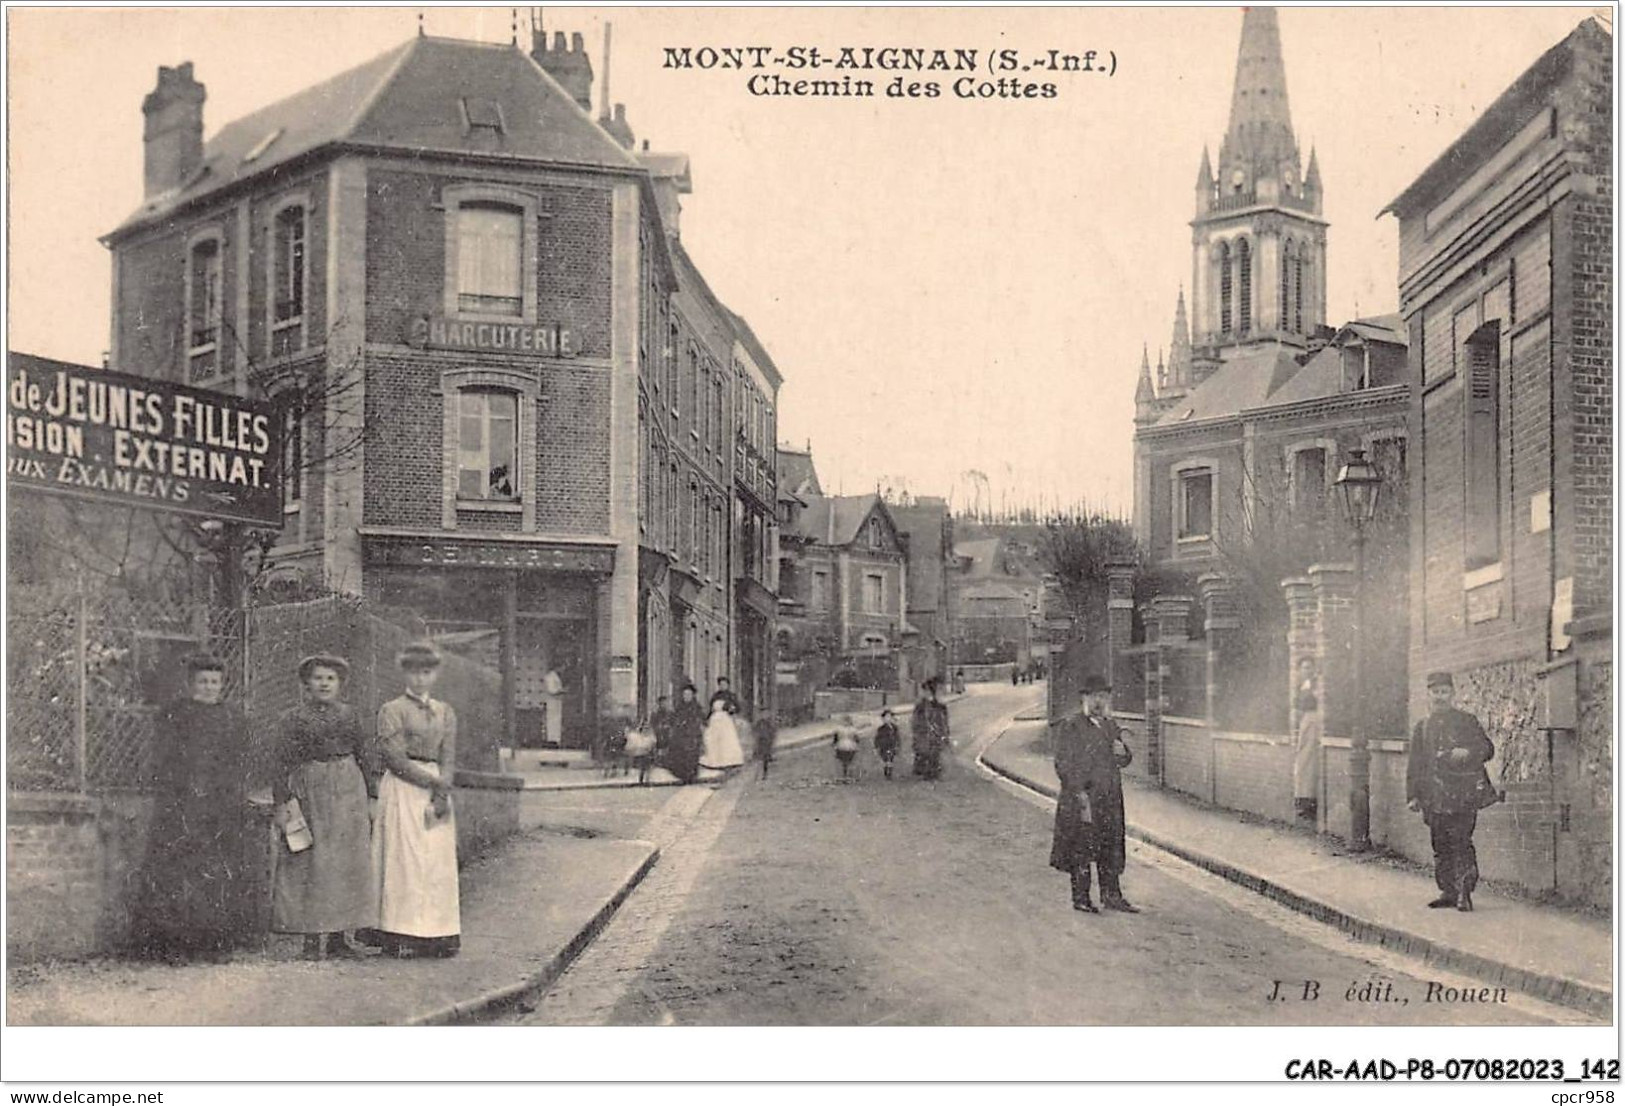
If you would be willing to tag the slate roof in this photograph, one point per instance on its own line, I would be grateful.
(1322, 374)
(797, 476)
(848, 513)
(983, 554)
(1246, 380)
(408, 98)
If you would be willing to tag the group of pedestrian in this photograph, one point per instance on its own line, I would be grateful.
(1446, 781)
(367, 837)
(1026, 673)
(695, 739)
(930, 737)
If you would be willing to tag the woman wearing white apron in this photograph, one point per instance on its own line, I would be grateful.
(722, 749)
(414, 839)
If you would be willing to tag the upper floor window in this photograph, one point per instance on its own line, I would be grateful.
(819, 599)
(1309, 483)
(874, 593)
(490, 249)
(1193, 504)
(203, 306)
(487, 444)
(875, 537)
(288, 273)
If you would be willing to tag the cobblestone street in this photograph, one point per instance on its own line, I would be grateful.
(802, 900)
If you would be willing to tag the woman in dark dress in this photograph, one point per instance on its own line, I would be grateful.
(194, 894)
(687, 737)
(329, 887)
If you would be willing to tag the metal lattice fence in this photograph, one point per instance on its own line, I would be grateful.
(89, 664)
(87, 667)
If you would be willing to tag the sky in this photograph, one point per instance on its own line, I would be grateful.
(948, 285)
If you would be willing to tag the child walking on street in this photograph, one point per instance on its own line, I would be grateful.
(887, 741)
(846, 745)
(767, 733)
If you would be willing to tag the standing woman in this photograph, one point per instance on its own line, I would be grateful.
(414, 845)
(687, 736)
(192, 899)
(326, 888)
(1306, 756)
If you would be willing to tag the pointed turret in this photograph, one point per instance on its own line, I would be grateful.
(1311, 181)
(1179, 353)
(1204, 184)
(1259, 154)
(1145, 394)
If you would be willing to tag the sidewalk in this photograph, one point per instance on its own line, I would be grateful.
(1551, 954)
(528, 909)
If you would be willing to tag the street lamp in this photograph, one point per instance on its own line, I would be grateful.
(1359, 485)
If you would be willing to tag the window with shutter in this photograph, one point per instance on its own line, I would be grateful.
(1482, 364)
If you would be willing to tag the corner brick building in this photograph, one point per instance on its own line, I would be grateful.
(1505, 278)
(483, 286)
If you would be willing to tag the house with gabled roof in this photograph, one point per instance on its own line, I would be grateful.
(843, 582)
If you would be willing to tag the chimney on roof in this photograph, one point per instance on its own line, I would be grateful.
(173, 134)
(571, 66)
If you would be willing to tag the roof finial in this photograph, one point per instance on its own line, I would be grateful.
(420, 22)
(513, 26)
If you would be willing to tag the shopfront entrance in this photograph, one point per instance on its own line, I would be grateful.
(532, 616)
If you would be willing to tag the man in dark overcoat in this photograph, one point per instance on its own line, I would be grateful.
(1446, 781)
(1090, 754)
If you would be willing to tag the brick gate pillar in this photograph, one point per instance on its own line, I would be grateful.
(1120, 628)
(1333, 587)
(1302, 636)
(1169, 619)
(1222, 621)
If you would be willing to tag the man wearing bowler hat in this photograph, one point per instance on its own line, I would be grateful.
(1446, 781)
(1090, 754)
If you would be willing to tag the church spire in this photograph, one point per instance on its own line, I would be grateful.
(1259, 148)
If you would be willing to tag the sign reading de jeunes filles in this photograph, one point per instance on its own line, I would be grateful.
(73, 430)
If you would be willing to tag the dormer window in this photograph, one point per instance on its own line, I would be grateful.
(482, 114)
(261, 146)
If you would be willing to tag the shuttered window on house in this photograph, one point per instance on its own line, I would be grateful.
(489, 251)
(1481, 366)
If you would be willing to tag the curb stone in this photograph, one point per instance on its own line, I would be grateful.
(1562, 992)
(469, 1010)
(472, 1009)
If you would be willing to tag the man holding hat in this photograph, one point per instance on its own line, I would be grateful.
(1090, 754)
(1446, 781)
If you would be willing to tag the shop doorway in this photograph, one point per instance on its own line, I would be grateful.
(554, 688)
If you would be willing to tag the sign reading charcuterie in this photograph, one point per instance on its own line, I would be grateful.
(438, 332)
(78, 431)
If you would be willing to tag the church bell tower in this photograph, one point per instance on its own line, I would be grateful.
(1258, 239)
